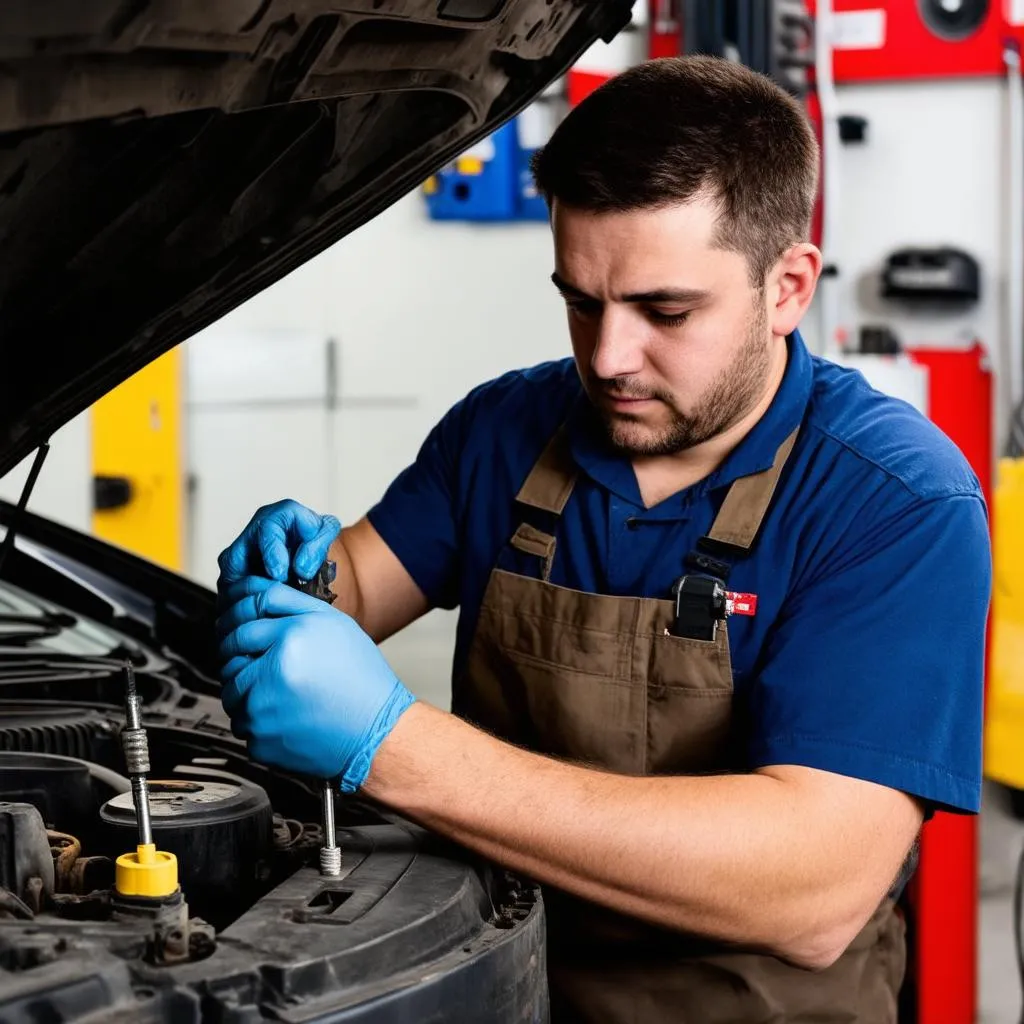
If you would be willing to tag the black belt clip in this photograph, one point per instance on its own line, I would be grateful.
(700, 605)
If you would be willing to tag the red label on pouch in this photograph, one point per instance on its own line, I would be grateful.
(740, 604)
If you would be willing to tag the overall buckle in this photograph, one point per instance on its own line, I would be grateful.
(700, 605)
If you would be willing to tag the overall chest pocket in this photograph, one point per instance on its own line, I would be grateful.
(689, 707)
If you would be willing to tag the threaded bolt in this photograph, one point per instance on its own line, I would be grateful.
(330, 852)
(136, 751)
(330, 861)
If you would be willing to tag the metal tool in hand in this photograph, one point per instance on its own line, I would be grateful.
(330, 853)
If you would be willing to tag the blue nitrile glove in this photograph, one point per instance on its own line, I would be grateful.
(303, 684)
(279, 537)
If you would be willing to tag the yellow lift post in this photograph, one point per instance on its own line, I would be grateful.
(1004, 729)
(138, 464)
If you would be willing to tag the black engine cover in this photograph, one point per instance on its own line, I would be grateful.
(220, 829)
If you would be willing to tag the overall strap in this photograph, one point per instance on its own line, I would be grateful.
(546, 488)
(551, 481)
(739, 519)
(747, 502)
(552, 478)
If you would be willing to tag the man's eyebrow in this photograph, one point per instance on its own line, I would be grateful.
(673, 295)
(683, 296)
(568, 289)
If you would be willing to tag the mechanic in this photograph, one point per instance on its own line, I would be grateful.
(722, 808)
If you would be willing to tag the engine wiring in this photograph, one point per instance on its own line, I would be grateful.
(72, 873)
(287, 832)
(65, 850)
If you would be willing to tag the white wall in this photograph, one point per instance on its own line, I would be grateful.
(421, 308)
(420, 312)
(930, 173)
(63, 491)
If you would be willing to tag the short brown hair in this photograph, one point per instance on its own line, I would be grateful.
(665, 131)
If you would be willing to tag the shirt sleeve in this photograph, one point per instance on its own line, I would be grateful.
(875, 669)
(418, 514)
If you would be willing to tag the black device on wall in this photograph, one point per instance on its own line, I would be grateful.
(938, 274)
(879, 340)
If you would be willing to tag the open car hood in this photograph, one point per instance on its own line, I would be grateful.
(161, 161)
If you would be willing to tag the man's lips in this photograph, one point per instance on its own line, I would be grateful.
(624, 402)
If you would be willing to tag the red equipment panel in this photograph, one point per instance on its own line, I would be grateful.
(665, 38)
(944, 891)
(960, 402)
(580, 84)
(910, 48)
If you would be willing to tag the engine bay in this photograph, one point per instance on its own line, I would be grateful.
(253, 930)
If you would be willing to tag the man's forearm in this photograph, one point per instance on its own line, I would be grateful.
(757, 860)
(372, 585)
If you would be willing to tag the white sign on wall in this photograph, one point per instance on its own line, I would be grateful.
(858, 30)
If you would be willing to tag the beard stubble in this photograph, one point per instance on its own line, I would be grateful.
(725, 401)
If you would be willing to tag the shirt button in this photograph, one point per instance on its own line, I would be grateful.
(631, 523)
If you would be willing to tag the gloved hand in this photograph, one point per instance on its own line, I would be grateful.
(279, 537)
(303, 684)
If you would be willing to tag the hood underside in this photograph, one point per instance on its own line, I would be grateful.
(161, 161)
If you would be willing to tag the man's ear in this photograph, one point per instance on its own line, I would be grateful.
(791, 285)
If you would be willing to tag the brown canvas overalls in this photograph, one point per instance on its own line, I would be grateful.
(597, 679)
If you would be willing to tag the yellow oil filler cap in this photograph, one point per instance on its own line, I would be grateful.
(147, 872)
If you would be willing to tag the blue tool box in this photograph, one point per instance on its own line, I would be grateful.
(490, 183)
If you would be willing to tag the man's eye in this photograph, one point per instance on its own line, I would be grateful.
(668, 319)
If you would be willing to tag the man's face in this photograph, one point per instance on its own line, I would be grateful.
(671, 341)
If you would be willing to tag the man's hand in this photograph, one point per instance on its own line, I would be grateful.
(280, 537)
(303, 684)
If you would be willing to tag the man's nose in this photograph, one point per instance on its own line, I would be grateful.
(618, 351)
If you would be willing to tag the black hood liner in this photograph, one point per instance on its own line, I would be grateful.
(162, 162)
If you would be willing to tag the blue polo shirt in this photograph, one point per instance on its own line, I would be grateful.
(872, 568)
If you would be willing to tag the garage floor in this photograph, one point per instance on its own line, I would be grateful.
(1002, 838)
(421, 656)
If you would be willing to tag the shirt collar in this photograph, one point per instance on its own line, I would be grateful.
(754, 453)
